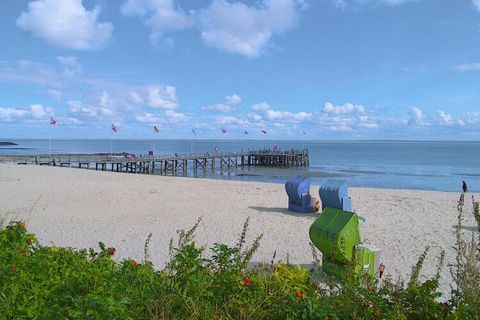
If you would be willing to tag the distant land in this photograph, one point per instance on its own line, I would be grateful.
(6, 143)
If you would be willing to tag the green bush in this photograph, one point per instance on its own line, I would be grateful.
(48, 282)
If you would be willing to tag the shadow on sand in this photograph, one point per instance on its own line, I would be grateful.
(468, 228)
(283, 211)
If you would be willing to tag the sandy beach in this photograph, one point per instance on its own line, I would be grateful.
(79, 208)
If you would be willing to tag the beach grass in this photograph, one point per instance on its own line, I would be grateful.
(49, 282)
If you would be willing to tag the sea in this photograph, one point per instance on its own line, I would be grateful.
(421, 165)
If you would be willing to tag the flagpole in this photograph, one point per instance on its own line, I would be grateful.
(111, 143)
(50, 142)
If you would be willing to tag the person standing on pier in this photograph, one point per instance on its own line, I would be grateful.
(464, 186)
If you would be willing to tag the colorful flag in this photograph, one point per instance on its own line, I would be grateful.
(114, 128)
(155, 129)
(53, 121)
(245, 132)
(304, 133)
(264, 132)
(194, 132)
(224, 130)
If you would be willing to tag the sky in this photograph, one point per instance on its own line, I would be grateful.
(296, 69)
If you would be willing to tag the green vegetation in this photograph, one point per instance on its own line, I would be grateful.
(47, 282)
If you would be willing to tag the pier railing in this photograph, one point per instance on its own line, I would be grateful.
(167, 163)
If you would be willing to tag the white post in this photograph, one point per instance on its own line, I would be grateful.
(111, 144)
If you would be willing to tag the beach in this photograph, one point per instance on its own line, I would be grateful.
(79, 208)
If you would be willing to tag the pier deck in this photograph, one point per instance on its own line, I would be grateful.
(167, 164)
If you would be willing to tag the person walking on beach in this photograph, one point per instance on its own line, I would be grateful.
(464, 186)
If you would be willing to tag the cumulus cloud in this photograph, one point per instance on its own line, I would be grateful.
(228, 104)
(7, 114)
(162, 97)
(33, 112)
(469, 66)
(38, 111)
(168, 117)
(147, 117)
(263, 106)
(269, 113)
(176, 117)
(159, 15)
(105, 103)
(228, 120)
(444, 118)
(343, 109)
(415, 116)
(134, 98)
(238, 28)
(77, 107)
(65, 23)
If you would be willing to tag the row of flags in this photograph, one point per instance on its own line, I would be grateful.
(156, 130)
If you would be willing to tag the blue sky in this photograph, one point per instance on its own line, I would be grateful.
(335, 69)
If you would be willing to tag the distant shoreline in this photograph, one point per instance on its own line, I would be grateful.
(6, 143)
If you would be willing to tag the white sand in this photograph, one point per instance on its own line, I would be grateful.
(79, 208)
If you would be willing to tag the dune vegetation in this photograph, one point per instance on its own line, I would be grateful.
(49, 282)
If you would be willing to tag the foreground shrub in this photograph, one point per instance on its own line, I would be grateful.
(41, 282)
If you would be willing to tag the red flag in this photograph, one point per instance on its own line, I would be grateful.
(264, 132)
(114, 128)
(224, 130)
(53, 121)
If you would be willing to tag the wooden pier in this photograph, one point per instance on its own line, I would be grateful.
(167, 164)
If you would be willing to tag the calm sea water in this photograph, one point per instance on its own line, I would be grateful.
(385, 164)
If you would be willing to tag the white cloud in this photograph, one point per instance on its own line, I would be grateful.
(65, 23)
(7, 114)
(105, 101)
(55, 94)
(469, 66)
(238, 28)
(176, 117)
(162, 97)
(78, 108)
(228, 120)
(169, 116)
(343, 109)
(134, 98)
(159, 15)
(38, 111)
(33, 112)
(147, 117)
(473, 118)
(263, 106)
(233, 100)
(444, 118)
(341, 128)
(253, 116)
(277, 115)
(415, 116)
(228, 104)
(70, 65)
